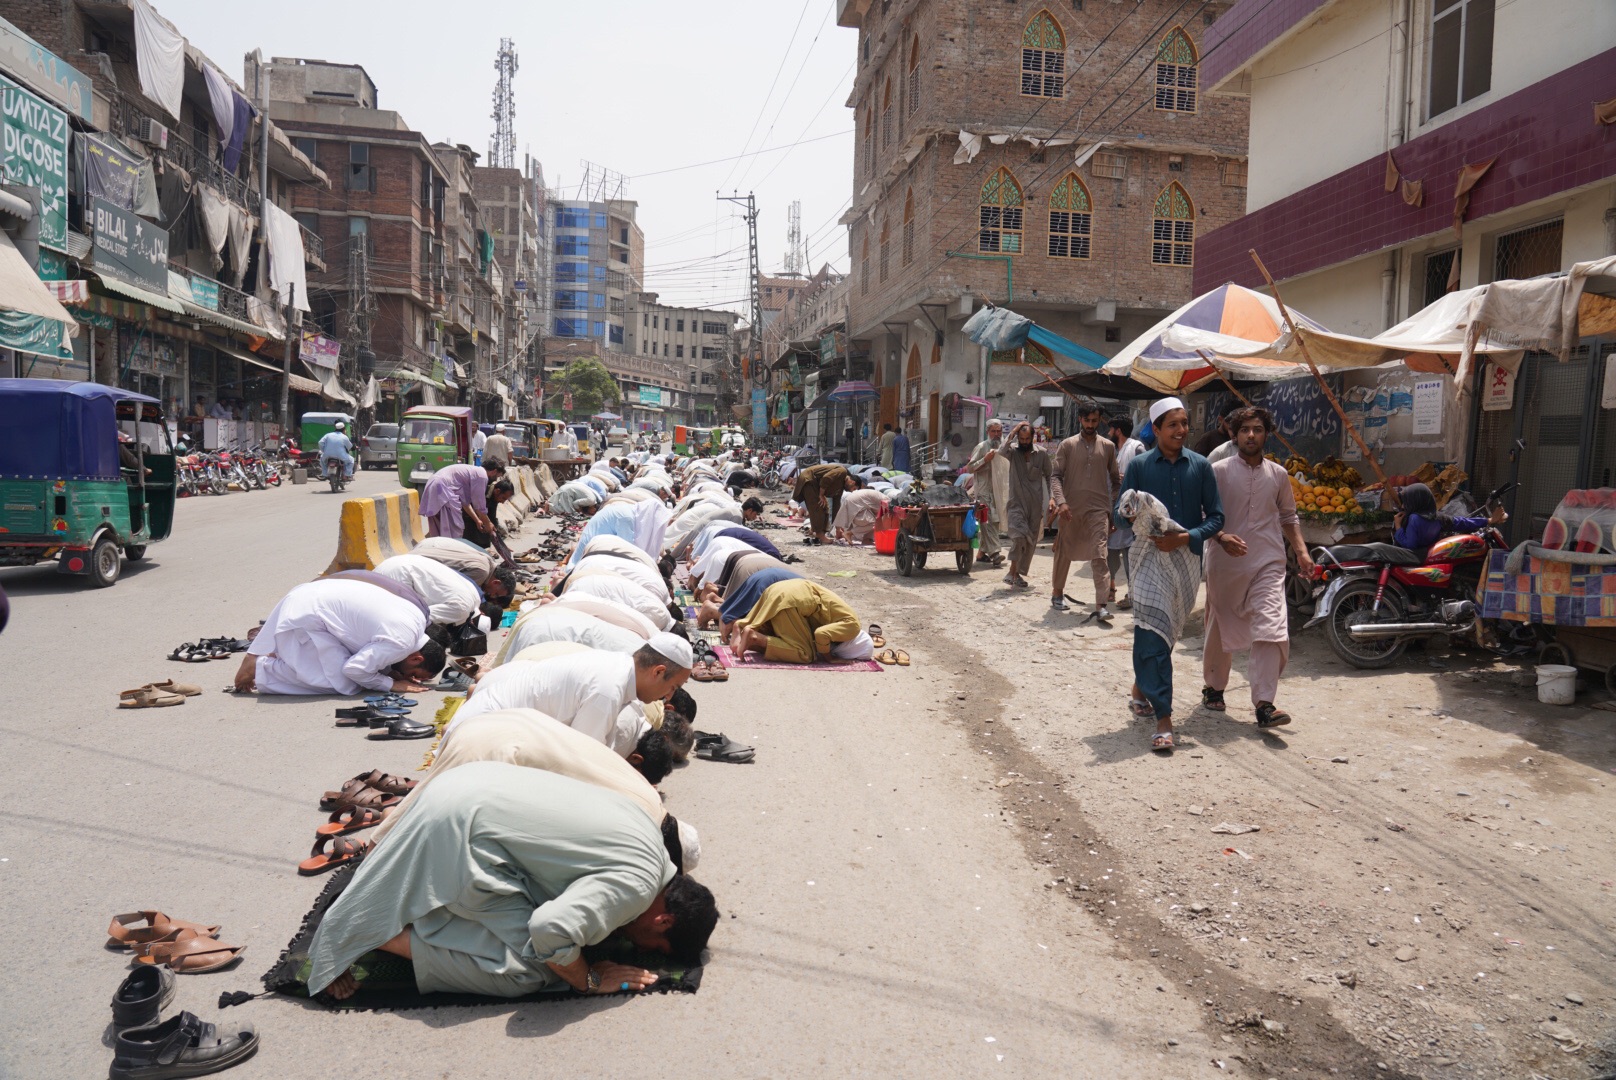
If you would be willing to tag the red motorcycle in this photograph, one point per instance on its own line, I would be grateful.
(1378, 598)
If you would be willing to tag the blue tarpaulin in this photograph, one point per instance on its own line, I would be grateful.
(1000, 329)
(60, 430)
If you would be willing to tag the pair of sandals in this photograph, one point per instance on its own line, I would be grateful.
(1160, 741)
(720, 747)
(374, 790)
(708, 667)
(1267, 715)
(386, 722)
(890, 657)
(199, 652)
(185, 948)
(157, 694)
(361, 804)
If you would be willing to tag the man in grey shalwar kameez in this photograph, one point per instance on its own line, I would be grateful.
(989, 475)
(499, 876)
(1030, 478)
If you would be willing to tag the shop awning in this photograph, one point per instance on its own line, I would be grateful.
(1000, 328)
(248, 358)
(410, 375)
(303, 385)
(162, 303)
(22, 291)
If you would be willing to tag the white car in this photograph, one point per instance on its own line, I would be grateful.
(617, 435)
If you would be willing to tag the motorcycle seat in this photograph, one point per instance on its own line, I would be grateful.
(1376, 553)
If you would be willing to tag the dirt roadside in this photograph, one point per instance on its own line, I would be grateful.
(1429, 891)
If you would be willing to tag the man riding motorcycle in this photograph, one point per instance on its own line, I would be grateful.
(336, 446)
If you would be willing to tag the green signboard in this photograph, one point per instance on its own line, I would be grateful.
(33, 151)
(650, 395)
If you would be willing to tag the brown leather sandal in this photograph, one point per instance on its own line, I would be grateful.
(123, 933)
(330, 852)
(191, 954)
(386, 783)
(365, 798)
(352, 819)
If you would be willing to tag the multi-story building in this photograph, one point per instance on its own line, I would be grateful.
(807, 356)
(512, 203)
(381, 221)
(1055, 158)
(151, 243)
(656, 393)
(474, 309)
(598, 264)
(696, 340)
(1459, 148)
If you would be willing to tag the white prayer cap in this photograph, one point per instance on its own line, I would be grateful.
(499, 427)
(674, 649)
(1166, 404)
(690, 844)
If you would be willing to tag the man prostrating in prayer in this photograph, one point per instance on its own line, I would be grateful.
(497, 879)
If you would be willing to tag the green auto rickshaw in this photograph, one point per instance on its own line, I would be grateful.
(431, 437)
(86, 476)
(314, 426)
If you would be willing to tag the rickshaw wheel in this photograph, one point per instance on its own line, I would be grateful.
(134, 552)
(105, 562)
(964, 560)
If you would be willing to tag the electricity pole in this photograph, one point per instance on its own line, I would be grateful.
(756, 348)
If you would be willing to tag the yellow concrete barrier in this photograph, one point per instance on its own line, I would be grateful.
(377, 527)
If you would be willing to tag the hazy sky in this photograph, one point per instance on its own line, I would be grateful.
(647, 89)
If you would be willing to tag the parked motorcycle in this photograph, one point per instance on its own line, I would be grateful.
(1378, 598)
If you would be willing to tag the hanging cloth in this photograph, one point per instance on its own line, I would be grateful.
(147, 204)
(160, 58)
(241, 230)
(220, 95)
(244, 113)
(214, 213)
(286, 271)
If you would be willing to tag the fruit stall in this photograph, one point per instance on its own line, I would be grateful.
(1337, 507)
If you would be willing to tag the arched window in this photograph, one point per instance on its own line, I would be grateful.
(1000, 220)
(1070, 219)
(864, 268)
(914, 75)
(886, 115)
(1177, 72)
(885, 236)
(1043, 57)
(1173, 236)
(911, 380)
(869, 140)
(909, 227)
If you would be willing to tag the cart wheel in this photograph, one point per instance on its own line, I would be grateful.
(134, 552)
(1610, 680)
(1556, 653)
(105, 562)
(964, 560)
(920, 558)
(905, 556)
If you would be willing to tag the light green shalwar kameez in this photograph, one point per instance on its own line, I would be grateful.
(499, 870)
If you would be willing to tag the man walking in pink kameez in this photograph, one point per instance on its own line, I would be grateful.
(1245, 570)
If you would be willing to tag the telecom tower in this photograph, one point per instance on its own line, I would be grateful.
(502, 147)
(796, 257)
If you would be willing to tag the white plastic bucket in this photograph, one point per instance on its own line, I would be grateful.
(1556, 684)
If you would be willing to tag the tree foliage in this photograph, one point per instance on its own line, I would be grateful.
(591, 385)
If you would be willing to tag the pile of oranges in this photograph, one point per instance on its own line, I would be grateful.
(1322, 498)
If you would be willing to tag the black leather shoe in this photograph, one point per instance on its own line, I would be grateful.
(180, 1046)
(142, 997)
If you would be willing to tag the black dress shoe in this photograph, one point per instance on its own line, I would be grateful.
(181, 1046)
(141, 997)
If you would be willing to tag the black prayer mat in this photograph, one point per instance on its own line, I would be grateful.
(388, 982)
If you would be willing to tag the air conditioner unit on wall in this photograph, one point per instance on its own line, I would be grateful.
(152, 133)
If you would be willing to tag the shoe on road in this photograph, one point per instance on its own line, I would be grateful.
(1058, 603)
(141, 998)
(183, 1045)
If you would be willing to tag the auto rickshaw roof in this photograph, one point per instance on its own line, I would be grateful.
(42, 387)
(438, 410)
(62, 430)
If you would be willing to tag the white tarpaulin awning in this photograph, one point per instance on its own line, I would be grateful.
(22, 291)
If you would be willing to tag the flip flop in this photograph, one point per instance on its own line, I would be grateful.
(147, 698)
(900, 657)
(720, 748)
(1140, 707)
(123, 933)
(717, 672)
(391, 701)
(404, 728)
(330, 852)
(191, 953)
(353, 819)
(1162, 742)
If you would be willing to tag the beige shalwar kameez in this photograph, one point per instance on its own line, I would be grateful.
(1087, 482)
(1245, 596)
(989, 482)
(1024, 508)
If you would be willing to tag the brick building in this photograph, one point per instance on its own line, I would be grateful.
(1058, 151)
(388, 200)
(513, 206)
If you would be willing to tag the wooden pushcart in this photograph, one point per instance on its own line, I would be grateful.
(566, 469)
(925, 529)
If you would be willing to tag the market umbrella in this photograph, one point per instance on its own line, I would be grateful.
(855, 390)
(606, 416)
(1232, 311)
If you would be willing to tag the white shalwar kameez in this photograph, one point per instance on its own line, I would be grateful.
(585, 691)
(335, 637)
(450, 596)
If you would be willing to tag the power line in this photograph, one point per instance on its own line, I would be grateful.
(763, 107)
(738, 157)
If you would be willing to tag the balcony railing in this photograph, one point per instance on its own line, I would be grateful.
(313, 247)
(232, 301)
(201, 164)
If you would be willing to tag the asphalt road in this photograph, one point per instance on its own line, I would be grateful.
(879, 915)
